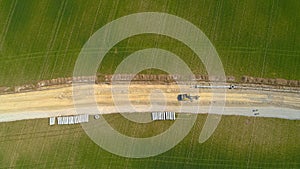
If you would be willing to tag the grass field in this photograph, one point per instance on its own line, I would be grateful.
(239, 142)
(42, 39)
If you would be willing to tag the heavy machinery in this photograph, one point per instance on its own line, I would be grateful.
(187, 97)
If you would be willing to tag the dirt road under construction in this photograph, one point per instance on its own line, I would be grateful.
(53, 101)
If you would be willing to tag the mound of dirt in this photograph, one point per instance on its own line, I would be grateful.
(274, 82)
(147, 79)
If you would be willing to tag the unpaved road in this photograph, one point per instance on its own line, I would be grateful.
(59, 101)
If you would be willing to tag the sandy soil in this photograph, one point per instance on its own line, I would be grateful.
(140, 95)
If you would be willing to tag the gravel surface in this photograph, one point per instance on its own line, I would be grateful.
(59, 101)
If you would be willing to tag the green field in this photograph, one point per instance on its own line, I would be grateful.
(239, 142)
(42, 39)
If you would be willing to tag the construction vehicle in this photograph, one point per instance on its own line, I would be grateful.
(187, 97)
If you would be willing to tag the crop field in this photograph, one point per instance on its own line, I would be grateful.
(42, 39)
(239, 142)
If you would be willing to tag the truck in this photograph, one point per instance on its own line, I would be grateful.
(187, 97)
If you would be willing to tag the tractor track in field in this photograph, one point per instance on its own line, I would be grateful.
(33, 55)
